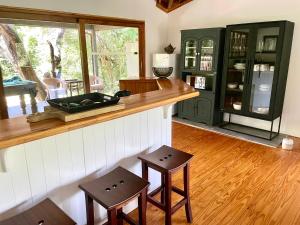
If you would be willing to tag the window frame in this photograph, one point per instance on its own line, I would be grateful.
(81, 20)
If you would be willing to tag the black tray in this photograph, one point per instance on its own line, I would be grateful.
(100, 100)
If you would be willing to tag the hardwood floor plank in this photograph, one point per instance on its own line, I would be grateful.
(235, 182)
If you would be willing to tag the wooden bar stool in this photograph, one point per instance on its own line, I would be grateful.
(168, 160)
(113, 191)
(44, 213)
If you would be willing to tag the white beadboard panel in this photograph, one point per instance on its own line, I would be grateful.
(99, 147)
(169, 127)
(64, 158)
(110, 145)
(7, 195)
(55, 166)
(119, 139)
(89, 150)
(164, 126)
(77, 153)
(35, 164)
(144, 131)
(17, 167)
(51, 165)
(151, 129)
(158, 117)
(132, 135)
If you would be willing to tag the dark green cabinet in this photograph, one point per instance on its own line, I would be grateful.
(203, 103)
(187, 109)
(201, 67)
(256, 62)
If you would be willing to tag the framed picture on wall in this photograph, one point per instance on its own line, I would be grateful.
(270, 43)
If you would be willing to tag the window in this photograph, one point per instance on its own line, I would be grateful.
(39, 59)
(112, 55)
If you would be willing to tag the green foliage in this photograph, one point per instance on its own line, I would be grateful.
(111, 49)
(7, 68)
(71, 61)
(33, 51)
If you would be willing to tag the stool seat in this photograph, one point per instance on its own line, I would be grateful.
(113, 191)
(115, 188)
(166, 158)
(45, 213)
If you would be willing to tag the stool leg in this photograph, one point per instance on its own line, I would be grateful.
(145, 171)
(168, 199)
(142, 207)
(112, 216)
(89, 210)
(188, 210)
(162, 194)
(119, 216)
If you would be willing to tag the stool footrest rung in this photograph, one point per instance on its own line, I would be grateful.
(178, 205)
(155, 202)
(156, 191)
(125, 217)
(128, 219)
(178, 191)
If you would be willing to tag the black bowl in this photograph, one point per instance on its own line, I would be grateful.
(162, 72)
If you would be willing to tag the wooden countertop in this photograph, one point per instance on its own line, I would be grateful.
(17, 131)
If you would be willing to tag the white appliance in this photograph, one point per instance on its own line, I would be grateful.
(167, 60)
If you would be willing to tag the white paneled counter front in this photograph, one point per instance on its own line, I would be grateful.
(54, 166)
(51, 158)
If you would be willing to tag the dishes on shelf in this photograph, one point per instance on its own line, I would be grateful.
(241, 87)
(256, 67)
(239, 66)
(232, 85)
(264, 87)
(239, 43)
(237, 105)
(262, 110)
(263, 67)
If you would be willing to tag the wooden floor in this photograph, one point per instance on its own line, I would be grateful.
(236, 182)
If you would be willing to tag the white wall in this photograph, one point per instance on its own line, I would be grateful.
(156, 20)
(216, 13)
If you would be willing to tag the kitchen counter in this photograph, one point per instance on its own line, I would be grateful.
(18, 131)
(51, 158)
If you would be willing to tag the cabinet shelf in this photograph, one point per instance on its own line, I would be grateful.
(234, 90)
(266, 52)
(235, 70)
(238, 57)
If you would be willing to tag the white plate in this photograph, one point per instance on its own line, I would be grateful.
(262, 110)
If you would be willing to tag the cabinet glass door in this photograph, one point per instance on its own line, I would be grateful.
(263, 70)
(236, 69)
(206, 55)
(190, 54)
